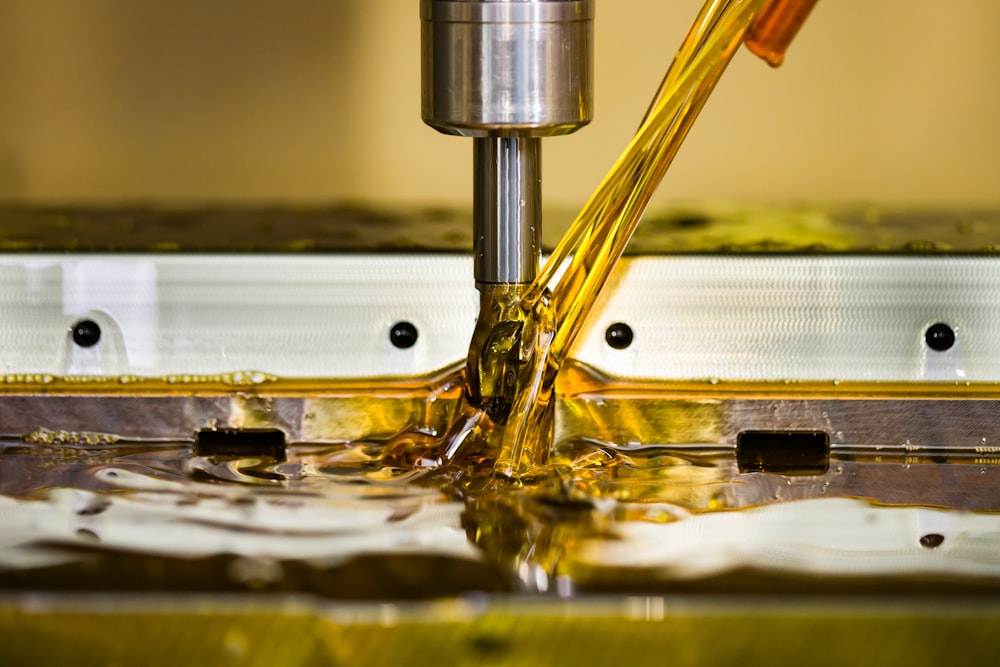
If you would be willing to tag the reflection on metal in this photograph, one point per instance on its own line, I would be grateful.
(507, 209)
(740, 317)
(520, 67)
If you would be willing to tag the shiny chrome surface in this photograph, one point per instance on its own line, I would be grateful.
(501, 67)
(507, 208)
(507, 72)
(762, 318)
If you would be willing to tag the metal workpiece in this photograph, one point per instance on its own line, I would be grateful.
(507, 209)
(507, 66)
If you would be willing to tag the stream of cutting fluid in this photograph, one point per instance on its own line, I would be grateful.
(524, 334)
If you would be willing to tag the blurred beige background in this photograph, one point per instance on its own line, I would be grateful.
(889, 101)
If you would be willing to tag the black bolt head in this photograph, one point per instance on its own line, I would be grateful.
(939, 337)
(403, 335)
(86, 333)
(619, 335)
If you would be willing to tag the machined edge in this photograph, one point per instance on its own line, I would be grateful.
(561, 11)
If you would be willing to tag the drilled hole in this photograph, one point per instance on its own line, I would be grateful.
(932, 540)
(783, 452)
(268, 443)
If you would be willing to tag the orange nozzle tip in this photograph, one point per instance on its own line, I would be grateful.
(774, 28)
(772, 58)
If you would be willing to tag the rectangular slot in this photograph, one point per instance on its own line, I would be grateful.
(783, 452)
(265, 442)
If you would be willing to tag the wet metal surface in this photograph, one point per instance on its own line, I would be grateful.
(348, 227)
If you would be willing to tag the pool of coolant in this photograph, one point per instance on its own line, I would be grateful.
(337, 521)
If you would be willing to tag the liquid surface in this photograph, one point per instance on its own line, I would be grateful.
(355, 521)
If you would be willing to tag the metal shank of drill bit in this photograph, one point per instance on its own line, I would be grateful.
(507, 207)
